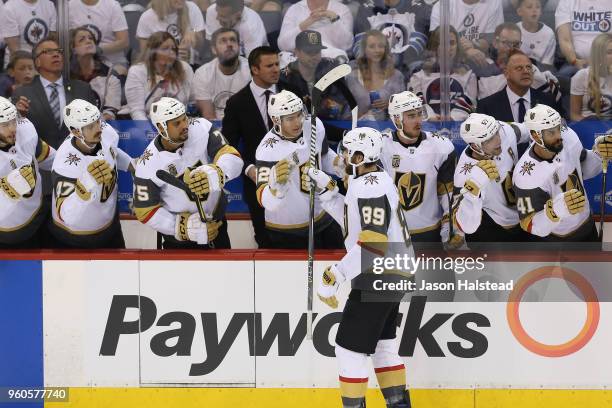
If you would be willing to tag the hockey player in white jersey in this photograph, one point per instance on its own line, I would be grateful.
(22, 152)
(372, 219)
(200, 158)
(548, 179)
(282, 190)
(422, 165)
(84, 177)
(485, 202)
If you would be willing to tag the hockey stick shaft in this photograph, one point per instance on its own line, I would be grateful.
(322, 84)
(602, 208)
(166, 177)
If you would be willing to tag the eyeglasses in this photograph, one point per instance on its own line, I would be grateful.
(510, 44)
(51, 51)
(523, 68)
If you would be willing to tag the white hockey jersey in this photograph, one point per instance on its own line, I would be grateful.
(497, 199)
(369, 214)
(157, 203)
(290, 213)
(537, 180)
(19, 219)
(423, 173)
(71, 213)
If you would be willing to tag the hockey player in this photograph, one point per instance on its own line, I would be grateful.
(371, 216)
(84, 178)
(422, 165)
(200, 157)
(485, 205)
(22, 152)
(282, 186)
(548, 179)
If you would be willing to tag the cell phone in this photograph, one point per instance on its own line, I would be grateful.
(374, 95)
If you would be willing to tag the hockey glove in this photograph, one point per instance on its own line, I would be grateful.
(603, 146)
(565, 204)
(197, 182)
(18, 182)
(279, 176)
(101, 171)
(481, 174)
(324, 185)
(454, 242)
(189, 227)
(329, 285)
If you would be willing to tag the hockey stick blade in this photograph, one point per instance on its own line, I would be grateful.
(166, 177)
(332, 76)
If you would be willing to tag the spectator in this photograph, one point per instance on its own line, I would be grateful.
(538, 39)
(44, 99)
(578, 22)
(86, 65)
(591, 91)
(160, 74)
(246, 122)
(182, 19)
(475, 22)
(222, 77)
(105, 19)
(462, 87)
(491, 78)
(26, 22)
(406, 27)
(233, 14)
(266, 5)
(20, 71)
(511, 103)
(329, 17)
(374, 78)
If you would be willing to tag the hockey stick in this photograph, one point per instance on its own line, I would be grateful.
(166, 177)
(602, 208)
(322, 84)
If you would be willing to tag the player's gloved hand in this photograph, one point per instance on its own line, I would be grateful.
(197, 182)
(325, 186)
(189, 227)
(481, 174)
(100, 171)
(216, 177)
(330, 282)
(455, 241)
(279, 177)
(565, 204)
(603, 146)
(18, 182)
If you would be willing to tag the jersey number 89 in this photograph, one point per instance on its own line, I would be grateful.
(374, 216)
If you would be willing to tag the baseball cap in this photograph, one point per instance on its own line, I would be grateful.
(309, 41)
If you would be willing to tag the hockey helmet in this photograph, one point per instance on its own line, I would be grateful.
(80, 113)
(164, 110)
(539, 118)
(366, 140)
(477, 129)
(8, 111)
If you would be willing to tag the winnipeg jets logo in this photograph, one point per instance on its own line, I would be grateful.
(270, 142)
(72, 159)
(527, 168)
(145, 156)
(467, 168)
(371, 179)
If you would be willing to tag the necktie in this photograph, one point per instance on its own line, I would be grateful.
(54, 102)
(521, 110)
(268, 119)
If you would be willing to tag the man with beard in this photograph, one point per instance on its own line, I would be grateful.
(222, 77)
(548, 179)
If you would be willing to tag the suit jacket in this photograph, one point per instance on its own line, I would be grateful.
(40, 111)
(498, 105)
(41, 116)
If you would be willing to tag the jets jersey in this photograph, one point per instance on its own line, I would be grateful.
(497, 199)
(157, 203)
(423, 174)
(20, 219)
(370, 215)
(75, 213)
(290, 213)
(537, 180)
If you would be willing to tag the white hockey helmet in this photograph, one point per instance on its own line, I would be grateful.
(539, 118)
(403, 102)
(284, 103)
(80, 113)
(477, 129)
(366, 140)
(8, 111)
(164, 110)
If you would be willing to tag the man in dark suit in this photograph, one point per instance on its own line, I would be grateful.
(246, 119)
(43, 101)
(511, 103)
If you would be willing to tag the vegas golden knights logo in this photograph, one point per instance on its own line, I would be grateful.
(395, 161)
(411, 189)
(108, 188)
(573, 181)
